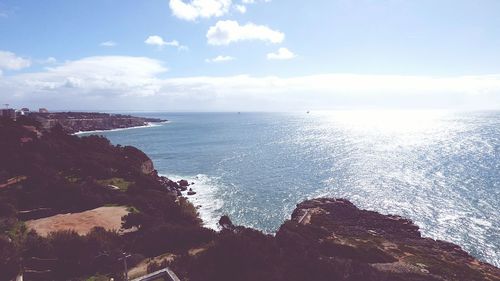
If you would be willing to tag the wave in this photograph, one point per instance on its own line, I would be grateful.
(148, 125)
(206, 199)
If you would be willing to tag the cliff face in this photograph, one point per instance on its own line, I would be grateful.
(147, 167)
(390, 246)
(139, 160)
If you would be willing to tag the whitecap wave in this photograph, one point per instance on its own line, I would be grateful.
(148, 125)
(206, 199)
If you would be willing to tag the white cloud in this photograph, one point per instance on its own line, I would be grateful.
(229, 31)
(281, 54)
(156, 40)
(10, 61)
(129, 83)
(108, 44)
(241, 8)
(49, 60)
(220, 59)
(199, 8)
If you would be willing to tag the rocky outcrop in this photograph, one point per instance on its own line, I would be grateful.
(392, 246)
(147, 167)
(178, 187)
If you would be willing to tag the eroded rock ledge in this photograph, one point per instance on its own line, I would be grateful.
(389, 246)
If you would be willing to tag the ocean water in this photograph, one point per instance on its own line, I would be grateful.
(440, 169)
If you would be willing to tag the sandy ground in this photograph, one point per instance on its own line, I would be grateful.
(82, 223)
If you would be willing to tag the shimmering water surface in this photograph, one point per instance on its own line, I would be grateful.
(441, 169)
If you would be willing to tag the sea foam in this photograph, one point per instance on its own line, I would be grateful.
(148, 125)
(206, 199)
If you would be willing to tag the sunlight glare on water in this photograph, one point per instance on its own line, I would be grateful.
(420, 164)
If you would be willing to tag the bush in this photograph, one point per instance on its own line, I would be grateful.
(9, 259)
(171, 238)
(246, 255)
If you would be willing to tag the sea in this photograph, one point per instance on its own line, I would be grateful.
(440, 169)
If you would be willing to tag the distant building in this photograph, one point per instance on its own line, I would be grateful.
(8, 112)
(43, 110)
(23, 111)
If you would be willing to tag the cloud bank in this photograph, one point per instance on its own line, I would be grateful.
(138, 83)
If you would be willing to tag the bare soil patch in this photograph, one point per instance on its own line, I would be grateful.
(106, 217)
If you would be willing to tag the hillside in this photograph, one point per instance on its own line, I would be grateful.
(45, 173)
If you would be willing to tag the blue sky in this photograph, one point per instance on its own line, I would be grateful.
(220, 55)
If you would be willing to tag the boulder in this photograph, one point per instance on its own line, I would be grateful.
(183, 183)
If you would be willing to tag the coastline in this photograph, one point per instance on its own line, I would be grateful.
(205, 200)
(148, 125)
(177, 161)
(353, 242)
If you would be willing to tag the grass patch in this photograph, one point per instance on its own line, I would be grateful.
(121, 183)
(133, 210)
(17, 231)
(98, 278)
(73, 179)
(112, 205)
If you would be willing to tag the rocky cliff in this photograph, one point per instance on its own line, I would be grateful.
(391, 246)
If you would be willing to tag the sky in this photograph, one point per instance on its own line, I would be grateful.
(250, 55)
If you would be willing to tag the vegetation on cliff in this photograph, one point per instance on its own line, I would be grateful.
(59, 173)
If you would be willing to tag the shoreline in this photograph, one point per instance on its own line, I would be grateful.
(148, 125)
(205, 200)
